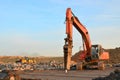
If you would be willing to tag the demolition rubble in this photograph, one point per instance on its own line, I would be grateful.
(38, 66)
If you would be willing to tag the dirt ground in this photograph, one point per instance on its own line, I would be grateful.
(71, 75)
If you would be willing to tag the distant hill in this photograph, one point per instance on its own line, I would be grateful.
(12, 59)
(114, 57)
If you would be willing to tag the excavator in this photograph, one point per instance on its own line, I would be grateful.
(92, 56)
(26, 60)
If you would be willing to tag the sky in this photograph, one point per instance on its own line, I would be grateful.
(37, 27)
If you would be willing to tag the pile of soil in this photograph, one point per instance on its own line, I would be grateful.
(114, 55)
(112, 76)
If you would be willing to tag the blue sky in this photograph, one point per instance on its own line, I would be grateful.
(36, 28)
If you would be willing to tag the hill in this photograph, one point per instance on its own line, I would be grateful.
(114, 57)
(12, 59)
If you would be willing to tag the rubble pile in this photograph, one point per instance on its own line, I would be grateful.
(112, 76)
(39, 66)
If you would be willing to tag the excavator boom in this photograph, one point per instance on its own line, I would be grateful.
(72, 20)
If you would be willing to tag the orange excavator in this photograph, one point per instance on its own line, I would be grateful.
(91, 56)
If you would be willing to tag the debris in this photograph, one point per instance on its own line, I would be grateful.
(112, 76)
(66, 71)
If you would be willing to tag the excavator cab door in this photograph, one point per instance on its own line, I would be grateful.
(95, 52)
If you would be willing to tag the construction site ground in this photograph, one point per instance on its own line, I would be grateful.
(45, 68)
(61, 75)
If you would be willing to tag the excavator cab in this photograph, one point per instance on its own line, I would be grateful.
(98, 53)
(95, 52)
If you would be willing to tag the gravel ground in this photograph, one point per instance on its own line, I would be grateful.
(112, 76)
(70, 75)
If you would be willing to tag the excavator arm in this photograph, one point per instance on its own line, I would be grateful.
(72, 20)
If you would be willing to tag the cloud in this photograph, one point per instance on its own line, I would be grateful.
(37, 44)
(14, 45)
(106, 36)
(77, 2)
(107, 17)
